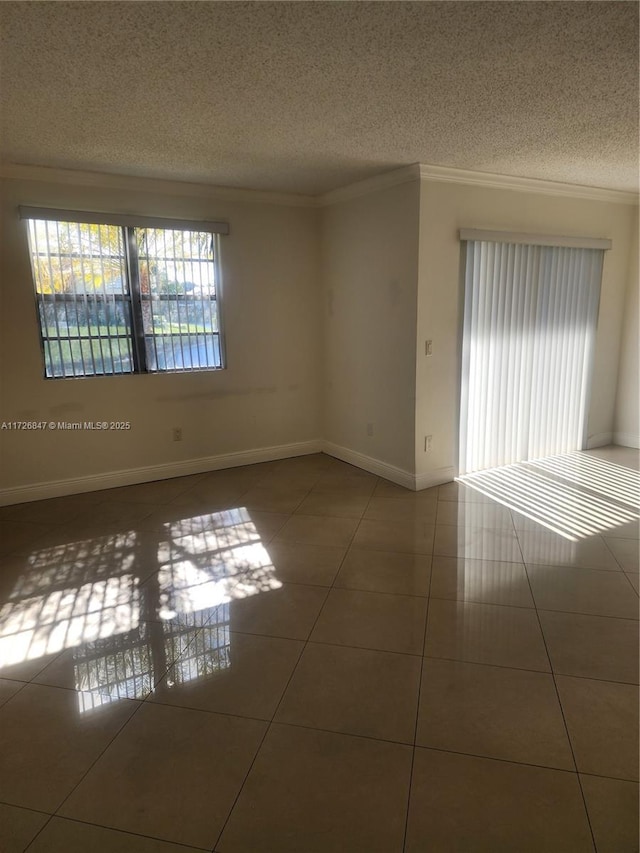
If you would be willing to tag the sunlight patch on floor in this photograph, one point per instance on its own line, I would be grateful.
(573, 495)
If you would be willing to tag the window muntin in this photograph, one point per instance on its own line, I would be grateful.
(115, 299)
(178, 297)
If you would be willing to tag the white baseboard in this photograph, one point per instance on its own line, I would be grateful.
(627, 439)
(390, 472)
(600, 439)
(368, 463)
(131, 476)
(435, 478)
(148, 473)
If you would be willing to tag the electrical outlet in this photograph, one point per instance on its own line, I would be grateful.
(177, 433)
(428, 348)
(427, 443)
(369, 429)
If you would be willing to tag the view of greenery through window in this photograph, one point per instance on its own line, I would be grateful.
(115, 299)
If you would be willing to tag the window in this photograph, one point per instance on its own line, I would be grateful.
(125, 294)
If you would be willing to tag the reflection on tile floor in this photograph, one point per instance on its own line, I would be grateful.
(300, 656)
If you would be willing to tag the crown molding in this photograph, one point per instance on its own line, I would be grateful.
(370, 185)
(405, 174)
(445, 174)
(104, 180)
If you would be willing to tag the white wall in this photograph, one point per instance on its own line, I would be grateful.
(268, 395)
(370, 268)
(326, 314)
(444, 209)
(627, 414)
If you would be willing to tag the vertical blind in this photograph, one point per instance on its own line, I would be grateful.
(530, 314)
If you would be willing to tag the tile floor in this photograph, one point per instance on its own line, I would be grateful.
(300, 656)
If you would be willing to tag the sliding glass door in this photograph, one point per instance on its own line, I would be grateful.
(530, 315)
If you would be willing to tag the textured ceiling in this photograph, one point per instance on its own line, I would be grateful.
(306, 97)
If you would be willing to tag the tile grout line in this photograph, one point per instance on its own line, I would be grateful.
(269, 722)
(435, 597)
(32, 680)
(308, 641)
(415, 729)
(564, 719)
(610, 550)
(264, 480)
(110, 829)
(84, 775)
(22, 684)
(140, 703)
(356, 648)
(282, 695)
